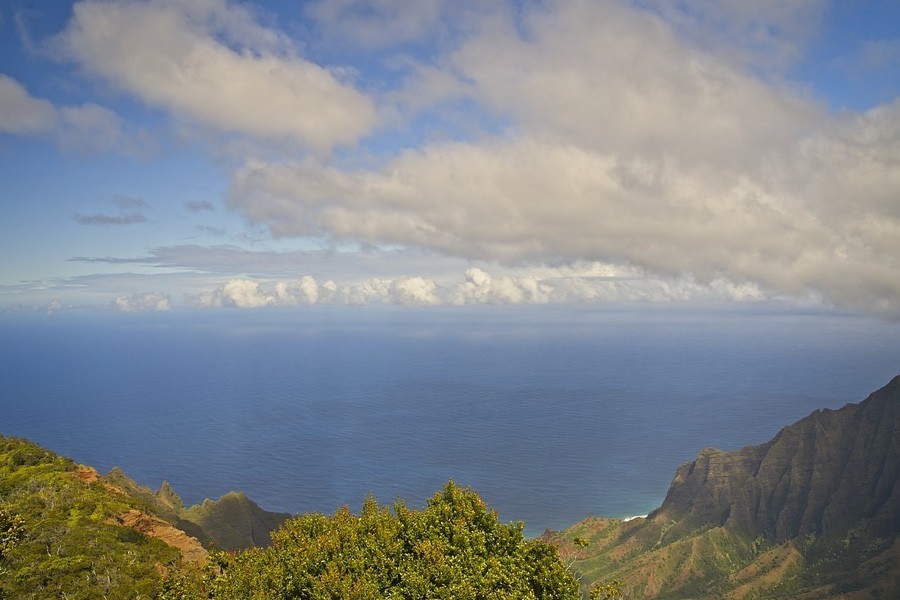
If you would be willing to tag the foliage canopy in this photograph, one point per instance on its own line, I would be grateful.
(455, 548)
(61, 536)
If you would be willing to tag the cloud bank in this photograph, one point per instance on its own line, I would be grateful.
(628, 143)
(511, 141)
(477, 287)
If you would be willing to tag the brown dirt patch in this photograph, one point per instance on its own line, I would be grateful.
(190, 548)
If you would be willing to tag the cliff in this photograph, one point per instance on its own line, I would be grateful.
(831, 471)
(813, 513)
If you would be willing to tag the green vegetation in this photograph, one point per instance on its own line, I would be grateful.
(62, 535)
(455, 548)
(59, 536)
(233, 522)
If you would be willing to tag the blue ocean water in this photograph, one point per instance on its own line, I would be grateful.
(551, 414)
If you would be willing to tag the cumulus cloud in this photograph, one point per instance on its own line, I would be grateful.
(477, 287)
(481, 288)
(302, 291)
(614, 79)
(212, 63)
(413, 291)
(629, 145)
(237, 293)
(142, 302)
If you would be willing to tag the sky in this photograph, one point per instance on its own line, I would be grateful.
(207, 154)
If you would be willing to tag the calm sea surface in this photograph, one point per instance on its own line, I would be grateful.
(550, 414)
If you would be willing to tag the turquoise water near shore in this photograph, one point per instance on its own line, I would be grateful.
(551, 414)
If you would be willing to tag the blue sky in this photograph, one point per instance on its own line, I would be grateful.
(172, 154)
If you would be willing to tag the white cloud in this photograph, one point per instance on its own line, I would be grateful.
(212, 63)
(413, 291)
(615, 79)
(482, 288)
(23, 114)
(147, 301)
(302, 291)
(85, 128)
(238, 293)
(477, 287)
(769, 34)
(627, 145)
(90, 128)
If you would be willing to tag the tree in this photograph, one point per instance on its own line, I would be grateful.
(606, 590)
(455, 548)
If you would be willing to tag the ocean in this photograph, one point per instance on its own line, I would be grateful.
(550, 413)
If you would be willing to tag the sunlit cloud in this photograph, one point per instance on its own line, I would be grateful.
(475, 287)
(684, 164)
(143, 302)
(212, 63)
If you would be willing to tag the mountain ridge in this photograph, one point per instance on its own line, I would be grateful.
(814, 512)
(233, 522)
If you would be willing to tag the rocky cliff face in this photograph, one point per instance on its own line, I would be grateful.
(831, 471)
(813, 513)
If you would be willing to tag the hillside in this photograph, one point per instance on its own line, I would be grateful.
(63, 529)
(67, 532)
(813, 513)
(233, 522)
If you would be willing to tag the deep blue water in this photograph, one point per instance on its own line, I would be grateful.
(551, 414)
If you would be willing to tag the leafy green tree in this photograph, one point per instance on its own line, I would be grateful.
(12, 529)
(606, 590)
(455, 548)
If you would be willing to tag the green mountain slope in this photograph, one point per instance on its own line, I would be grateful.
(62, 530)
(813, 513)
(233, 522)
